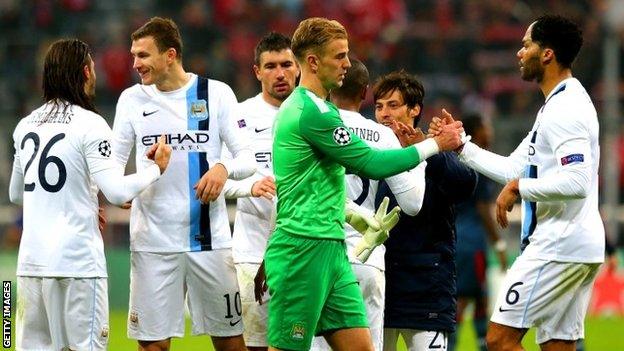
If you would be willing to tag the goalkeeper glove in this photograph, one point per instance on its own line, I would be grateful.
(374, 237)
(359, 218)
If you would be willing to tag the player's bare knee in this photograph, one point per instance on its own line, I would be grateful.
(159, 345)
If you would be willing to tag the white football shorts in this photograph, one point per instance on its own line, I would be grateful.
(255, 316)
(160, 283)
(61, 313)
(373, 286)
(551, 296)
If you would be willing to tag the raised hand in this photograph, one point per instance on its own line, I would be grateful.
(160, 153)
(406, 134)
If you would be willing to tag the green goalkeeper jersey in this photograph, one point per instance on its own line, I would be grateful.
(311, 148)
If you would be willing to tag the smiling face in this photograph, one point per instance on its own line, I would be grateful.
(149, 62)
(277, 72)
(392, 107)
(333, 63)
(529, 57)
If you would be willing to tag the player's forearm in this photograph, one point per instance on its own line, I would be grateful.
(119, 189)
(234, 189)
(498, 168)
(568, 184)
(382, 164)
(411, 200)
(16, 185)
(241, 166)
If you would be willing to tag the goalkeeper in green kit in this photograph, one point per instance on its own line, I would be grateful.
(313, 289)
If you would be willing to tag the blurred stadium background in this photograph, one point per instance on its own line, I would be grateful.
(464, 52)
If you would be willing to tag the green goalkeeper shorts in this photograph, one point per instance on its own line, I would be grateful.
(313, 290)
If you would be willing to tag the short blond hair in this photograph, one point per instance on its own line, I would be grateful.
(313, 34)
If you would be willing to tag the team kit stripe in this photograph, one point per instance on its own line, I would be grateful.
(199, 234)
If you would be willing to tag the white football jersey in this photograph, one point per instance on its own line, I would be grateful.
(362, 191)
(558, 165)
(55, 161)
(196, 119)
(252, 225)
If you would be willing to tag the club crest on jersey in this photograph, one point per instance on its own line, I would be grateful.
(199, 110)
(342, 136)
(104, 148)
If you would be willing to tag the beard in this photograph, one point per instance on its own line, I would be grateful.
(532, 70)
(281, 96)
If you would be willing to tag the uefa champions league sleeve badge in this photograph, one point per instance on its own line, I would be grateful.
(198, 110)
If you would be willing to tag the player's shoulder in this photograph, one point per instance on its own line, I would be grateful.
(134, 94)
(569, 103)
(313, 103)
(252, 103)
(218, 87)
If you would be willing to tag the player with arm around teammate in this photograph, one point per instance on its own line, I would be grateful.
(313, 289)
(62, 156)
(554, 171)
(180, 238)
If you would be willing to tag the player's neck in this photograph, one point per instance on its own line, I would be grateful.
(312, 83)
(346, 104)
(176, 79)
(270, 99)
(552, 78)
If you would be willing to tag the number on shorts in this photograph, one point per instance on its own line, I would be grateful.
(433, 345)
(237, 305)
(513, 296)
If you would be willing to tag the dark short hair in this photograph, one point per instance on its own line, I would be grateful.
(355, 80)
(472, 122)
(408, 85)
(63, 73)
(271, 42)
(165, 33)
(561, 35)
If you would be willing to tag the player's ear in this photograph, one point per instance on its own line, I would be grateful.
(313, 62)
(86, 70)
(547, 56)
(256, 70)
(363, 93)
(414, 111)
(172, 55)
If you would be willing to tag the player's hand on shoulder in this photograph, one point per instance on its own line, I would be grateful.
(211, 184)
(264, 187)
(160, 153)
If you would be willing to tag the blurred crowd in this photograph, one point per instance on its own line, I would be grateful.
(463, 50)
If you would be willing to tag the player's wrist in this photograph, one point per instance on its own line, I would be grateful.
(427, 148)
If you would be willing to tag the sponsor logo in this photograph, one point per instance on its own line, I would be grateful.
(298, 331)
(572, 159)
(342, 136)
(189, 141)
(234, 323)
(199, 110)
(145, 114)
(500, 309)
(260, 130)
(265, 158)
(104, 148)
